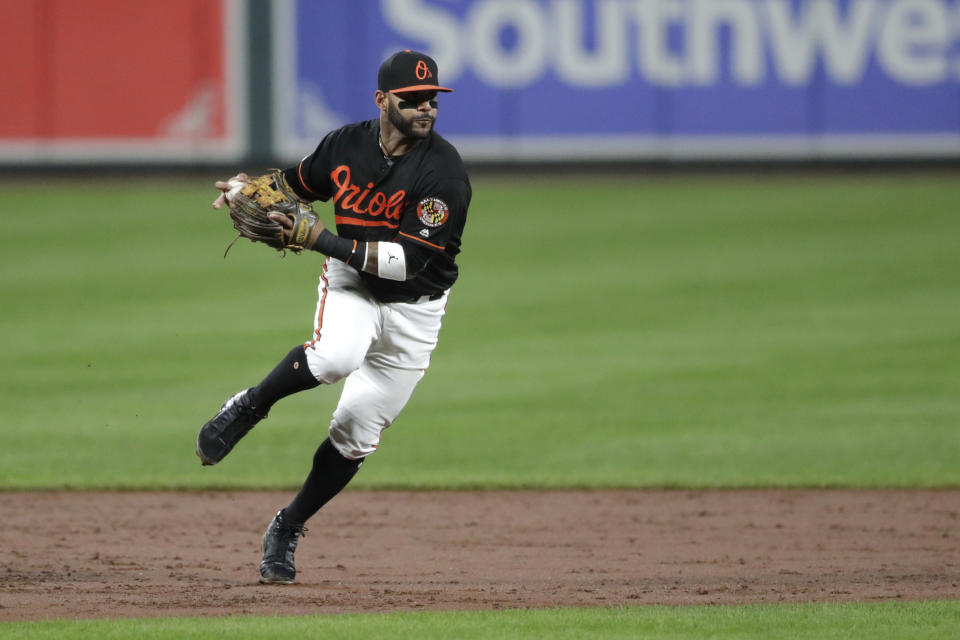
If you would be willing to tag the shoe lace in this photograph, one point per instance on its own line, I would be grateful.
(291, 529)
(243, 407)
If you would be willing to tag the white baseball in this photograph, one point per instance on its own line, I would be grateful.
(235, 187)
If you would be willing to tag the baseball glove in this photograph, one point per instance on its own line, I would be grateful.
(251, 202)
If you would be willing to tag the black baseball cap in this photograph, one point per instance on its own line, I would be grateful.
(408, 71)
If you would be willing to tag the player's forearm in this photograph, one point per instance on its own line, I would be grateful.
(329, 243)
(383, 259)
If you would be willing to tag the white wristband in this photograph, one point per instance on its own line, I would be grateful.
(391, 261)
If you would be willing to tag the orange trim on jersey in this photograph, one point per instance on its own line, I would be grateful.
(352, 252)
(323, 303)
(304, 184)
(367, 223)
(435, 246)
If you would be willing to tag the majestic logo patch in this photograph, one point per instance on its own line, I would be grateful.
(433, 212)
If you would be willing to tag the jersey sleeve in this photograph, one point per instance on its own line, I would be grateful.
(430, 221)
(311, 178)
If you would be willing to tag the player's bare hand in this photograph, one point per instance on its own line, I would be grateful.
(282, 219)
(224, 186)
(286, 220)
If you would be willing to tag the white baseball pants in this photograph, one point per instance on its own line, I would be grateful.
(383, 349)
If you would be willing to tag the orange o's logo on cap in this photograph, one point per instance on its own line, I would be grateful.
(422, 70)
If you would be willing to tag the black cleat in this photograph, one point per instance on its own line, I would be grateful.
(236, 417)
(279, 544)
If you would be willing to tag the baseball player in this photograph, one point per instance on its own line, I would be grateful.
(400, 193)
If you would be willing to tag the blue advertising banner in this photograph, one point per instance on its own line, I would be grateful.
(613, 79)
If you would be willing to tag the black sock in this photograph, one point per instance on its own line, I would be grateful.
(330, 474)
(288, 377)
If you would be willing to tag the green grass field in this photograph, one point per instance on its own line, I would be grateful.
(685, 332)
(904, 621)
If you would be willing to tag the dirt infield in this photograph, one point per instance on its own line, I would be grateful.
(93, 555)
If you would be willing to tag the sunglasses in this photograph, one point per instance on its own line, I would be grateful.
(414, 100)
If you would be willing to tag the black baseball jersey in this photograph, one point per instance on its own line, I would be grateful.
(418, 199)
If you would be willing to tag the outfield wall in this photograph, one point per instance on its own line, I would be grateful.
(94, 81)
(535, 80)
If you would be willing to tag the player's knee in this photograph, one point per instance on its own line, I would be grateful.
(329, 457)
(352, 439)
(332, 365)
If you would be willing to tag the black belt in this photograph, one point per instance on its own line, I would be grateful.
(414, 299)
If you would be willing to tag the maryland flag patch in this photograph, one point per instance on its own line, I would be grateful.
(433, 212)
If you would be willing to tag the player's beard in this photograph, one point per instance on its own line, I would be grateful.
(406, 127)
